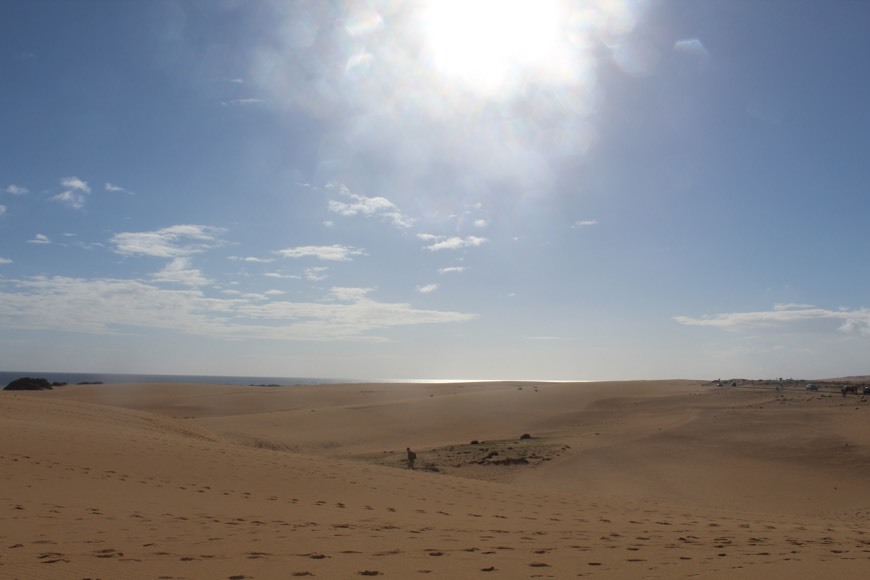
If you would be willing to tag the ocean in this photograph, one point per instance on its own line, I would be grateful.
(74, 378)
(121, 378)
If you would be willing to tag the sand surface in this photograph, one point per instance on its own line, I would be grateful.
(666, 479)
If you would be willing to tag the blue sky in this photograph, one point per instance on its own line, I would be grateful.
(589, 189)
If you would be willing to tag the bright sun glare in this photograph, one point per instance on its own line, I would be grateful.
(489, 45)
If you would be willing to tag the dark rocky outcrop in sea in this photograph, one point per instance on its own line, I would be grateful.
(28, 384)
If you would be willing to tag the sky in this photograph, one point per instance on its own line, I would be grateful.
(443, 189)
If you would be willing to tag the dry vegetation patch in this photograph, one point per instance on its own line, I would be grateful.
(478, 459)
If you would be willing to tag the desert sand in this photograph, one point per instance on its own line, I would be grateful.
(659, 479)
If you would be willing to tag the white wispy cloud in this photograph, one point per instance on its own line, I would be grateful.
(692, 47)
(427, 288)
(116, 306)
(5, 261)
(177, 244)
(2, 209)
(179, 271)
(451, 243)
(584, 223)
(451, 269)
(75, 194)
(316, 273)
(70, 198)
(16, 189)
(76, 184)
(39, 239)
(348, 294)
(172, 242)
(243, 102)
(282, 276)
(481, 223)
(108, 186)
(788, 317)
(334, 253)
(367, 206)
(251, 259)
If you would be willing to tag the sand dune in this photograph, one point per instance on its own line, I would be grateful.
(618, 480)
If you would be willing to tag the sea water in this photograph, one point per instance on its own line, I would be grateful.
(112, 378)
(121, 378)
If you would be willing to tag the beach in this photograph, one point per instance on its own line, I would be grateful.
(639, 479)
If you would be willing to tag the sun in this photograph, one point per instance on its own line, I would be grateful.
(488, 46)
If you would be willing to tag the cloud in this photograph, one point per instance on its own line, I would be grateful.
(178, 271)
(451, 269)
(172, 242)
(367, 206)
(76, 184)
(2, 209)
(692, 47)
(274, 292)
(281, 276)
(251, 259)
(316, 273)
(334, 253)
(345, 294)
(789, 317)
(584, 223)
(452, 243)
(5, 261)
(242, 102)
(16, 189)
(427, 288)
(39, 239)
(69, 198)
(117, 307)
(178, 244)
(481, 223)
(75, 194)
(116, 188)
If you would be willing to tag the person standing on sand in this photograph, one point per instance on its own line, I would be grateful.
(412, 457)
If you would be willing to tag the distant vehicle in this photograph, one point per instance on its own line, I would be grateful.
(812, 387)
(866, 391)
